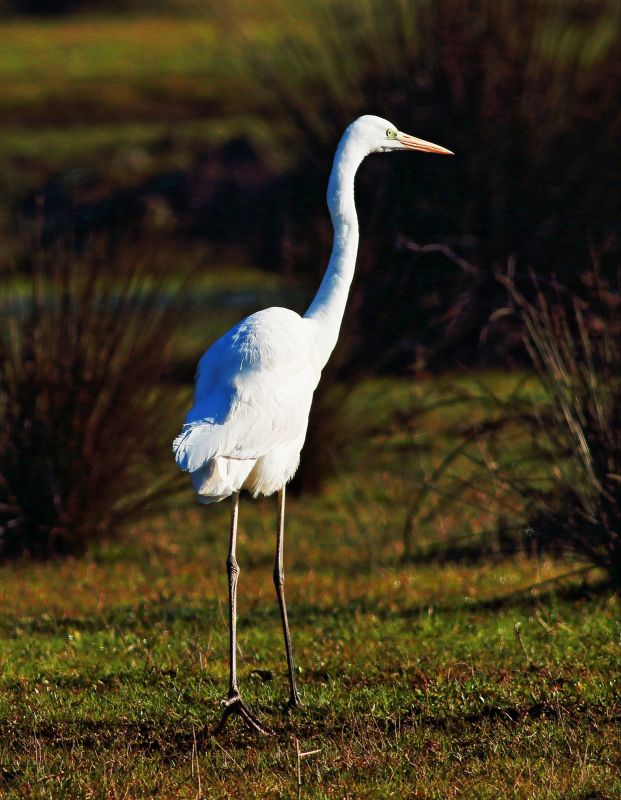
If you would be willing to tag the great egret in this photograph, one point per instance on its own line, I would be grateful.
(255, 385)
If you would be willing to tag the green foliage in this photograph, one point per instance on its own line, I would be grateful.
(80, 418)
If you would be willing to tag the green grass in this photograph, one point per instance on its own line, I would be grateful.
(60, 59)
(90, 142)
(115, 99)
(406, 688)
(414, 679)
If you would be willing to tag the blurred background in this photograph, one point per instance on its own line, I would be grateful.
(163, 174)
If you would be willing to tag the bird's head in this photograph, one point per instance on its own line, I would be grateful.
(376, 135)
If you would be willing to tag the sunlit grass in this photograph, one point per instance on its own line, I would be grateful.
(410, 682)
(85, 48)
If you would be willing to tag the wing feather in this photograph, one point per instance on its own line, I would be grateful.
(253, 391)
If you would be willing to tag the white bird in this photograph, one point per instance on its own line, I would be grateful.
(255, 386)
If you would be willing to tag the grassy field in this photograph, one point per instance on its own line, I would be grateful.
(420, 680)
(426, 678)
(113, 669)
(111, 102)
(98, 68)
(78, 89)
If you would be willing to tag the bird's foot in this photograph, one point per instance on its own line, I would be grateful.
(293, 702)
(233, 704)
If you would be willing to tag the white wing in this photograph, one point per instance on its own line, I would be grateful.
(253, 391)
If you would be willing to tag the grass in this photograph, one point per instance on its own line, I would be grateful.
(52, 59)
(98, 102)
(108, 695)
(116, 100)
(414, 679)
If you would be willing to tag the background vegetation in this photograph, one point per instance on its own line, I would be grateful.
(454, 533)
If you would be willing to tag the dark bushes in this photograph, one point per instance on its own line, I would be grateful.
(526, 96)
(575, 346)
(81, 410)
(545, 460)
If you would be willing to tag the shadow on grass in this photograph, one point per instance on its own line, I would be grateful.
(170, 739)
(510, 715)
(165, 738)
(205, 613)
(120, 619)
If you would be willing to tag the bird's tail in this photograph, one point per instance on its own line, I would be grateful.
(214, 477)
(220, 478)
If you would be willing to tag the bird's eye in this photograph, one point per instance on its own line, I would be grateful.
(391, 133)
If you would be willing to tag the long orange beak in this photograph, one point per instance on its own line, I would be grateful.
(412, 143)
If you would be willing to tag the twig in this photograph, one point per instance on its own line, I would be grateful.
(198, 769)
(542, 622)
(227, 754)
(518, 632)
(299, 756)
(404, 243)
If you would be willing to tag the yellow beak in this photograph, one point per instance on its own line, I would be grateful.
(412, 143)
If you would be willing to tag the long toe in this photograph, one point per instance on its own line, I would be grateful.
(235, 705)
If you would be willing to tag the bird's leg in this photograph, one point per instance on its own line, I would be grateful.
(233, 702)
(232, 569)
(279, 583)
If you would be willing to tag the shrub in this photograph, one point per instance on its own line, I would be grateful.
(575, 346)
(81, 406)
(544, 460)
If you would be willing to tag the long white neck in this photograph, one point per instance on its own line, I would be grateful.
(326, 311)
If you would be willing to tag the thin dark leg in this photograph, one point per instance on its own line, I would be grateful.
(233, 702)
(279, 583)
(232, 569)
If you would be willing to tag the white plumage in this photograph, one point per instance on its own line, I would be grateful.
(254, 389)
(255, 386)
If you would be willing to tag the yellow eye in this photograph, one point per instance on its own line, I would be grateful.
(391, 133)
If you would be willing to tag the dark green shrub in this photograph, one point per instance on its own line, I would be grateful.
(82, 411)
(545, 459)
(575, 346)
